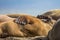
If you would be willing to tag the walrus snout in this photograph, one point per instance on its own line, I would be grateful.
(22, 23)
(21, 20)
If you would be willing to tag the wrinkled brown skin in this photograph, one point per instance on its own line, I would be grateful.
(5, 18)
(54, 34)
(51, 22)
(11, 29)
(16, 15)
(34, 27)
(8, 27)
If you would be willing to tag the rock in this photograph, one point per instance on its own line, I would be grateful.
(54, 34)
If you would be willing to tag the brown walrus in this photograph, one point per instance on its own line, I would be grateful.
(24, 26)
(47, 19)
(55, 13)
(34, 25)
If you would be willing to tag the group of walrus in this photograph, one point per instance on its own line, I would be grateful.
(17, 25)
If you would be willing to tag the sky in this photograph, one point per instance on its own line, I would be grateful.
(31, 7)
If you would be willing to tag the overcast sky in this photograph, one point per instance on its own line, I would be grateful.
(32, 7)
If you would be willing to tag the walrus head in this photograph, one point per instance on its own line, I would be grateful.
(21, 20)
(44, 18)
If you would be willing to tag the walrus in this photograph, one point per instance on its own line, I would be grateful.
(34, 25)
(47, 19)
(5, 24)
(24, 26)
(55, 14)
